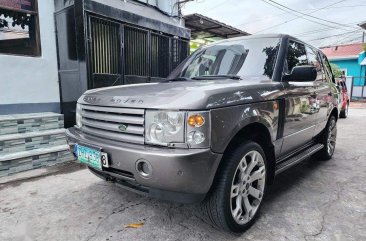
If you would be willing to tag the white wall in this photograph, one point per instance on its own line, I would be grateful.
(33, 79)
(168, 6)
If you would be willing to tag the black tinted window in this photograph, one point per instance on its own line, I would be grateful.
(296, 56)
(248, 57)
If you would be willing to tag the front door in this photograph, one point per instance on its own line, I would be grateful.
(322, 90)
(300, 103)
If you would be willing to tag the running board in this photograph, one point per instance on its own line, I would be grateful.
(298, 158)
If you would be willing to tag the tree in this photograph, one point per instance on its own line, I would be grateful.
(336, 70)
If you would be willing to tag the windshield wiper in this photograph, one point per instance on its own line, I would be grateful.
(223, 76)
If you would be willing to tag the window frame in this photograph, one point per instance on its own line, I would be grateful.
(37, 52)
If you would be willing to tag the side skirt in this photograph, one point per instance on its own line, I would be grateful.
(297, 158)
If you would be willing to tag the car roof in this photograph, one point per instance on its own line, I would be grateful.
(257, 36)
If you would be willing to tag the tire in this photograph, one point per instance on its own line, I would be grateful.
(344, 113)
(328, 139)
(236, 184)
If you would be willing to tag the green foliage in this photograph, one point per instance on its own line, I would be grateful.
(304, 108)
(337, 72)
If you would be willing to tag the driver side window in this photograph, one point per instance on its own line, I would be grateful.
(296, 56)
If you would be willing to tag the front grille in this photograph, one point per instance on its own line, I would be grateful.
(107, 122)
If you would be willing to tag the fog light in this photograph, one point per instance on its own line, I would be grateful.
(144, 168)
(195, 137)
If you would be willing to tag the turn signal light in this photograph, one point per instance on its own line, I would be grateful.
(196, 120)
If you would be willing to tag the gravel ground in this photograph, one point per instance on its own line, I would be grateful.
(312, 201)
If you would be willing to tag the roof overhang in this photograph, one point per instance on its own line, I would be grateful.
(344, 57)
(205, 27)
(362, 25)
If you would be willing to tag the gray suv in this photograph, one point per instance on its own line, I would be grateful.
(227, 120)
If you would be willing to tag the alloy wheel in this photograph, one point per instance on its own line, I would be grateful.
(247, 187)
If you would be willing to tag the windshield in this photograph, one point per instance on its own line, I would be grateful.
(249, 57)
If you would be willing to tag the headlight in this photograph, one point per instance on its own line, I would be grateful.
(164, 127)
(177, 128)
(78, 115)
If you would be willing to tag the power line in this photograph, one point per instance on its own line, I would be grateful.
(308, 9)
(335, 35)
(291, 11)
(217, 5)
(311, 16)
(346, 40)
(317, 30)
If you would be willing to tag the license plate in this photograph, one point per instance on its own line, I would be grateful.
(89, 156)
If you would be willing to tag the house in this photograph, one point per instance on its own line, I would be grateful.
(350, 58)
(53, 51)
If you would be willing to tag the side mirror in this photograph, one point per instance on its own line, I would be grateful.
(302, 73)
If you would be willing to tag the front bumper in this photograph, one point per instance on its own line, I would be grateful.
(183, 175)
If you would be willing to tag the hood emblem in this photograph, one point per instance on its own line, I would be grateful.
(122, 127)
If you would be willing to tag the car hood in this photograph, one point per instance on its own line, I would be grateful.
(184, 95)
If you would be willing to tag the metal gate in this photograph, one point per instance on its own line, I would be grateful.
(123, 54)
(105, 53)
(356, 87)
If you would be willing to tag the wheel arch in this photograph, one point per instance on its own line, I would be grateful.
(335, 113)
(259, 133)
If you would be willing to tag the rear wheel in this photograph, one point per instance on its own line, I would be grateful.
(328, 139)
(344, 113)
(233, 203)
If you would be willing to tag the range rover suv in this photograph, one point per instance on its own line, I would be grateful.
(231, 117)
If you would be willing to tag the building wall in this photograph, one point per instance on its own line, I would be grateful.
(168, 6)
(30, 84)
(353, 67)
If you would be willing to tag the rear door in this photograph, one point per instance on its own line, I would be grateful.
(300, 99)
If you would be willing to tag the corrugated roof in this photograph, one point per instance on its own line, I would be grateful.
(202, 26)
(362, 25)
(343, 51)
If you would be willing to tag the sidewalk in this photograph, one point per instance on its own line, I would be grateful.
(357, 105)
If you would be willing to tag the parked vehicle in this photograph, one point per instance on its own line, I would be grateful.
(344, 98)
(230, 118)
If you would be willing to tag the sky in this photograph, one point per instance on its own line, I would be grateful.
(331, 22)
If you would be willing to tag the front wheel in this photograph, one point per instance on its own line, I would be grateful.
(236, 196)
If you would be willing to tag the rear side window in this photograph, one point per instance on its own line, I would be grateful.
(327, 68)
(314, 60)
(296, 56)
